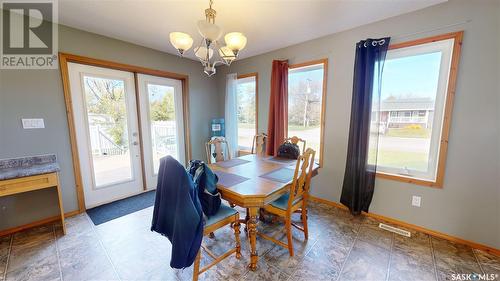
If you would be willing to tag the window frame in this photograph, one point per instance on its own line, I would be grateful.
(448, 108)
(242, 152)
(324, 62)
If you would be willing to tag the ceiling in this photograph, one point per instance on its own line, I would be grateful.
(268, 25)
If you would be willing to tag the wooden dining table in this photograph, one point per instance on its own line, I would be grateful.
(248, 182)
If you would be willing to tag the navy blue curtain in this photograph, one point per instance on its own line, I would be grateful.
(359, 177)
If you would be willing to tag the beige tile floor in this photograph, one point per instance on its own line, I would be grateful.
(340, 247)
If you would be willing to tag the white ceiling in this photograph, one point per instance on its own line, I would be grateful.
(268, 25)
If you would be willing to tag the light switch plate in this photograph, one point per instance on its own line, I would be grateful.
(416, 200)
(33, 123)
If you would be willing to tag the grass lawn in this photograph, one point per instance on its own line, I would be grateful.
(409, 133)
(397, 159)
(246, 125)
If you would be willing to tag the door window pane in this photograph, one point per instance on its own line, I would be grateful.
(107, 114)
(246, 111)
(162, 119)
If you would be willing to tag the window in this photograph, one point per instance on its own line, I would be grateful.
(415, 108)
(306, 93)
(247, 110)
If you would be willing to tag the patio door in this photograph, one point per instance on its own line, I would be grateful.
(162, 124)
(107, 132)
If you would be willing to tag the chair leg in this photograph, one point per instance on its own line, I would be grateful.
(196, 267)
(288, 227)
(262, 218)
(236, 227)
(304, 222)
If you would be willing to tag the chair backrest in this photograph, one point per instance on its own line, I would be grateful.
(259, 144)
(296, 140)
(219, 153)
(302, 177)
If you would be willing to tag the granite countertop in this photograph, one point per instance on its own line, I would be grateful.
(28, 166)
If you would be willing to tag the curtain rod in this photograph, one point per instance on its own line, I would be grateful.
(401, 36)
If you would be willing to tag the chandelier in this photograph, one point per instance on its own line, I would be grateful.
(210, 52)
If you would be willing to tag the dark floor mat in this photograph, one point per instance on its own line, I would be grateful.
(113, 210)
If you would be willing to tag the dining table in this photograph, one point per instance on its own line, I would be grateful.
(253, 181)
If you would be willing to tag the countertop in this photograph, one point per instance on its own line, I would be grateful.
(28, 166)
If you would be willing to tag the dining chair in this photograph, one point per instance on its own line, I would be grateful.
(294, 200)
(225, 216)
(296, 140)
(259, 144)
(219, 153)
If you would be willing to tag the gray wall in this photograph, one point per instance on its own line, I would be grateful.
(38, 94)
(468, 204)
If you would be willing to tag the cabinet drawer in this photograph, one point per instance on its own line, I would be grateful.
(19, 185)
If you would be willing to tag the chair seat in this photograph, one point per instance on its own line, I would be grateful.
(282, 202)
(223, 213)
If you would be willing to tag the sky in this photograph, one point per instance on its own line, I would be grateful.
(157, 92)
(416, 75)
(295, 77)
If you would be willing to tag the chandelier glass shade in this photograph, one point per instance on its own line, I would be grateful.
(181, 41)
(235, 41)
(209, 31)
(209, 51)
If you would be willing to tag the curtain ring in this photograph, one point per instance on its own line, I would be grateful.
(381, 42)
(374, 43)
(365, 44)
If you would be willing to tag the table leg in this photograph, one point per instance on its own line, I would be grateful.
(61, 208)
(252, 233)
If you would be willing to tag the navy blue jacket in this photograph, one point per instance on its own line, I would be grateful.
(177, 212)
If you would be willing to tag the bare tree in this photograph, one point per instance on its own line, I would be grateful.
(304, 103)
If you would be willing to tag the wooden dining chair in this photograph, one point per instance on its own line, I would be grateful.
(225, 216)
(296, 140)
(219, 153)
(259, 144)
(295, 199)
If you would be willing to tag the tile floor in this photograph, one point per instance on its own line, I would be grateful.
(340, 247)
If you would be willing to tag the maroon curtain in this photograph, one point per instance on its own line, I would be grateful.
(278, 107)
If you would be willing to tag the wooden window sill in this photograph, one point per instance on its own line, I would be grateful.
(407, 179)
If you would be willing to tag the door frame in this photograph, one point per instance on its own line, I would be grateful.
(65, 58)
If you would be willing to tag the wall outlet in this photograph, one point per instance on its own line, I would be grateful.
(416, 200)
(33, 123)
